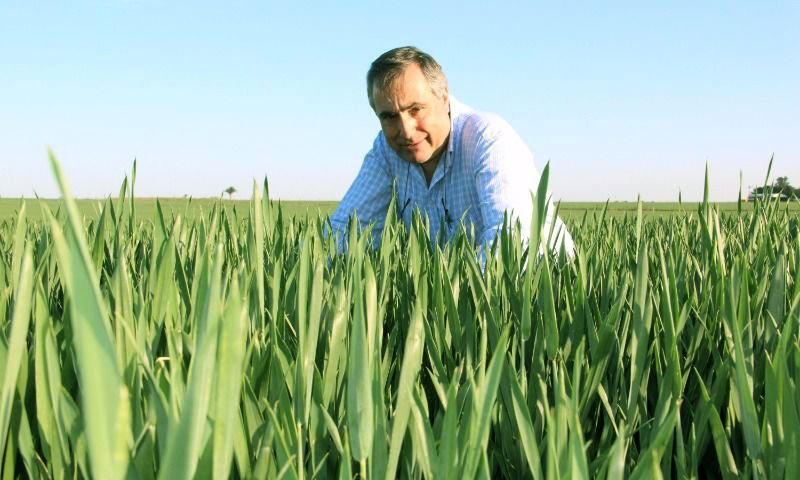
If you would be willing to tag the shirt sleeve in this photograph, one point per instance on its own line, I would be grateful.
(505, 178)
(368, 196)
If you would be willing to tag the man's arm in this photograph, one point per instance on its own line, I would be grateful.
(368, 196)
(505, 177)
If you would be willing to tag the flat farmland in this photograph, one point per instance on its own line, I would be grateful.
(146, 208)
(657, 209)
(192, 208)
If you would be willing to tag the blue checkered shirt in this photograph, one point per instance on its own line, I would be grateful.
(486, 171)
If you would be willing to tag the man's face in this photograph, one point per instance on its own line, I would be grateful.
(414, 120)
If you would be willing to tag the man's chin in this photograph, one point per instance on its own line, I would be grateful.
(418, 159)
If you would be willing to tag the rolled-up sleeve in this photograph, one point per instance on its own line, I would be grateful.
(368, 197)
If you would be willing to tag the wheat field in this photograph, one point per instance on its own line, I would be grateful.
(224, 345)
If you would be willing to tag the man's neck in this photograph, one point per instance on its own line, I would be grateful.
(429, 167)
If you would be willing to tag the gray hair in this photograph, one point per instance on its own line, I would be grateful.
(386, 68)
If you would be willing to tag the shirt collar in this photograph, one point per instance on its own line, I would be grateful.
(447, 157)
(453, 113)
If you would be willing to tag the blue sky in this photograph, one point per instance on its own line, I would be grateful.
(622, 98)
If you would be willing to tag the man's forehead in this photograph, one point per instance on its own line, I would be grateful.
(394, 92)
(391, 80)
(387, 104)
(402, 96)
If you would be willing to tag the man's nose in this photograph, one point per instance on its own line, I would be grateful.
(408, 125)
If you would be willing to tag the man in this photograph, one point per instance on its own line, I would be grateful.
(445, 159)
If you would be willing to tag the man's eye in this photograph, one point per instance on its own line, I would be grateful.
(415, 110)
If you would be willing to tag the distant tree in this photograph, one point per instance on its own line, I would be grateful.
(230, 191)
(780, 185)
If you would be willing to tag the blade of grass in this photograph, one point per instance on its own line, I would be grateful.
(229, 378)
(102, 391)
(412, 360)
(186, 440)
(17, 341)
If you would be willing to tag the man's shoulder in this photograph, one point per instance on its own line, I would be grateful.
(473, 125)
(477, 130)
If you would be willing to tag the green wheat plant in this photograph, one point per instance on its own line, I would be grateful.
(243, 345)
